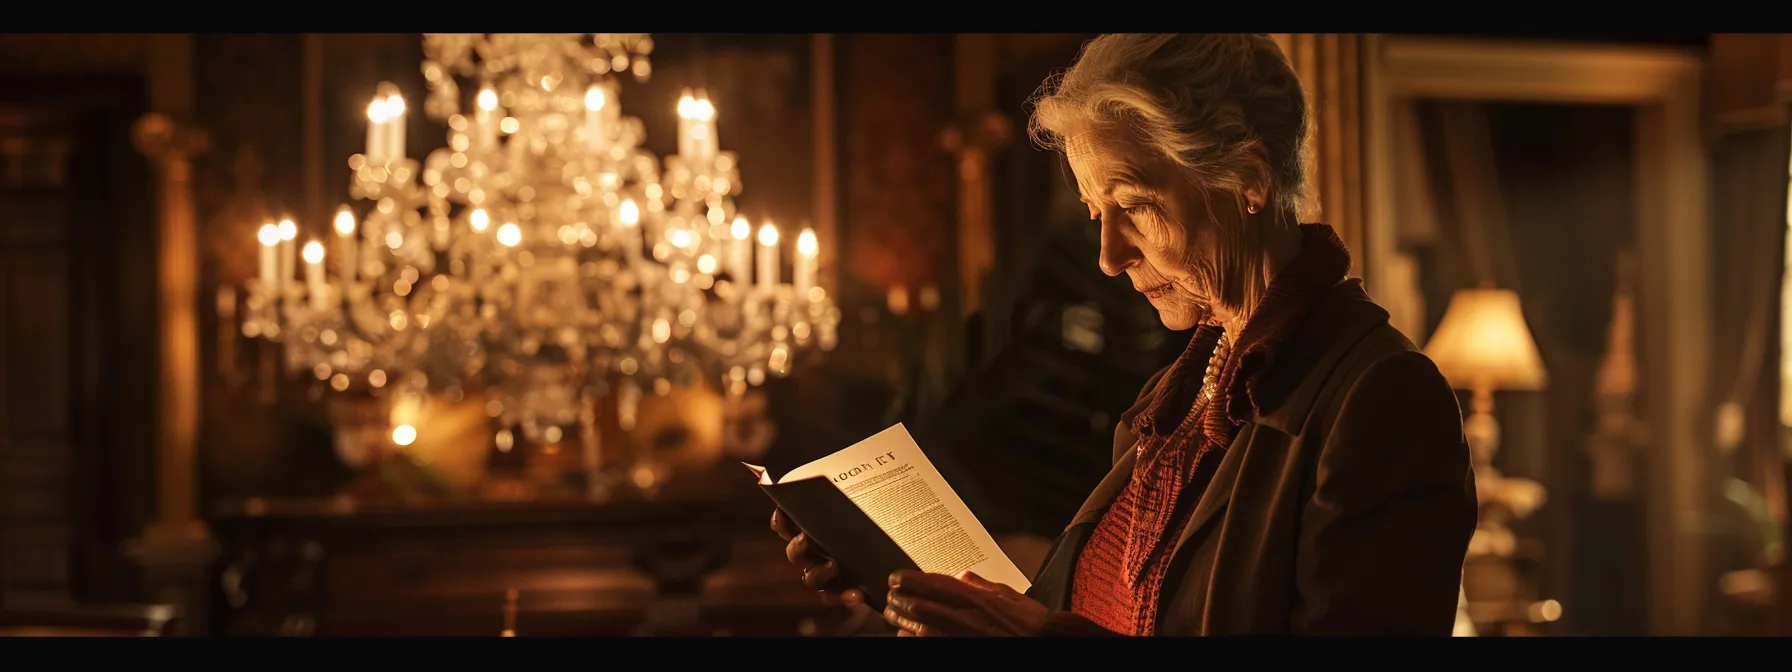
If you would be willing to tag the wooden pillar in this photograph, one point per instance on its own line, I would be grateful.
(823, 99)
(176, 549)
(979, 132)
(1330, 69)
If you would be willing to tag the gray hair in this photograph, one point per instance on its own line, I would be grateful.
(1227, 108)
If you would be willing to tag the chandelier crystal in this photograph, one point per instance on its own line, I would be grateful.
(543, 256)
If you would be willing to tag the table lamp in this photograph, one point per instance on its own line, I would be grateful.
(1483, 344)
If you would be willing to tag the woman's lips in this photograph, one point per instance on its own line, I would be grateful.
(1156, 292)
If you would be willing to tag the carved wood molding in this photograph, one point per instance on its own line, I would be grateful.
(169, 142)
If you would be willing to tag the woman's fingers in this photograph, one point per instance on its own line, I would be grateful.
(927, 617)
(999, 589)
(820, 576)
(797, 551)
(782, 526)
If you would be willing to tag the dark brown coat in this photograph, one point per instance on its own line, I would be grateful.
(1344, 507)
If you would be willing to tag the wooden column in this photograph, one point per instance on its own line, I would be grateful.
(973, 140)
(1330, 69)
(823, 96)
(977, 134)
(176, 549)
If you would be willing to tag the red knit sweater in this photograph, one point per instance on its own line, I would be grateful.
(1120, 572)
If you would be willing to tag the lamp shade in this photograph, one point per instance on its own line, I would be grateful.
(1483, 341)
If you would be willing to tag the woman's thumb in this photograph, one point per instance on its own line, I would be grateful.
(978, 581)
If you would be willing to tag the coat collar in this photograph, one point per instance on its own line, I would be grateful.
(1286, 391)
(1285, 394)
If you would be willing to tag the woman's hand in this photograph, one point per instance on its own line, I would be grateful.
(936, 605)
(819, 571)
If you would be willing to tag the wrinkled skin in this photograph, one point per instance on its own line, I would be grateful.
(819, 571)
(936, 605)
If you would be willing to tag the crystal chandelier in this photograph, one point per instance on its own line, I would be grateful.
(543, 257)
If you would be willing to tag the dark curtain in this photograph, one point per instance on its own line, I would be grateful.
(1749, 199)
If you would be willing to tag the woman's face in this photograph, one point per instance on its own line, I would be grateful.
(1155, 225)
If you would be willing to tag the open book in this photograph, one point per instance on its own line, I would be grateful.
(879, 506)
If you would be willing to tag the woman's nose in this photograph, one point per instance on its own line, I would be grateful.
(1117, 253)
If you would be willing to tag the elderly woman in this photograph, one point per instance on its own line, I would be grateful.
(1301, 468)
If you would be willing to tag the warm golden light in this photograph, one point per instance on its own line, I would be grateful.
(768, 235)
(345, 221)
(509, 235)
(1484, 342)
(706, 264)
(478, 219)
(594, 98)
(741, 229)
(377, 112)
(630, 213)
(487, 100)
(806, 244)
(680, 237)
(404, 435)
(269, 235)
(288, 230)
(691, 107)
(313, 252)
(394, 105)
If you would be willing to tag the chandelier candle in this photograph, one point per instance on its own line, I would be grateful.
(740, 252)
(314, 276)
(630, 215)
(485, 119)
(697, 140)
(376, 131)
(269, 235)
(288, 232)
(395, 127)
(768, 258)
(345, 242)
(803, 270)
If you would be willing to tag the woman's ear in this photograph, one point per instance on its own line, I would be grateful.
(1255, 199)
(1256, 184)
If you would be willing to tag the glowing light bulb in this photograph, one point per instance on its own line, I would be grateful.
(631, 213)
(345, 221)
(313, 253)
(510, 234)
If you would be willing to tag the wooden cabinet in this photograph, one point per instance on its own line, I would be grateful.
(327, 568)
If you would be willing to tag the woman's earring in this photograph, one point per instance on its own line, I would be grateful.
(1251, 208)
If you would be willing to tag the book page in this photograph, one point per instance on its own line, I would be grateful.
(894, 483)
